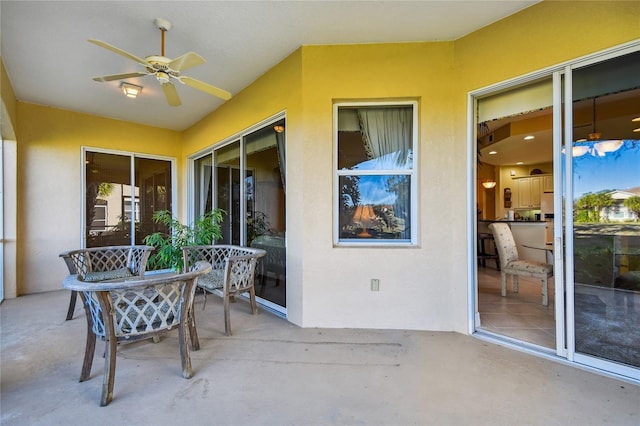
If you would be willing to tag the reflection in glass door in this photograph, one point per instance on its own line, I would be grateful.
(119, 211)
(248, 181)
(265, 208)
(606, 205)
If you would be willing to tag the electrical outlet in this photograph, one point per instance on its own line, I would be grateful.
(375, 284)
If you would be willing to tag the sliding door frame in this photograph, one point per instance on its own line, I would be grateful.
(563, 261)
(192, 196)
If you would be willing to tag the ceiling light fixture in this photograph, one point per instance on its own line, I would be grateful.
(600, 147)
(519, 163)
(493, 152)
(529, 137)
(130, 90)
(278, 128)
(489, 184)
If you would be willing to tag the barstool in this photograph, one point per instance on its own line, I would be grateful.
(483, 254)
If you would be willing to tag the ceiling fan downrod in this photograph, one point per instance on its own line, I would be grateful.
(163, 25)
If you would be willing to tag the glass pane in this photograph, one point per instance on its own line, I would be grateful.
(375, 207)
(152, 193)
(203, 184)
(265, 203)
(515, 185)
(375, 138)
(227, 160)
(108, 187)
(606, 182)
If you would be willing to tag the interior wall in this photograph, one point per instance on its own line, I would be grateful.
(48, 182)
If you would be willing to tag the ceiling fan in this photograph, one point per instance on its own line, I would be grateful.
(165, 70)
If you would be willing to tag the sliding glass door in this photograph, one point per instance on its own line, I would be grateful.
(122, 192)
(587, 194)
(604, 210)
(246, 177)
(514, 185)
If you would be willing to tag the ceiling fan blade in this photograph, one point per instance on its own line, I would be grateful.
(212, 90)
(171, 94)
(119, 51)
(186, 61)
(120, 76)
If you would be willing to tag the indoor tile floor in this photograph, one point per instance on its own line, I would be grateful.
(519, 315)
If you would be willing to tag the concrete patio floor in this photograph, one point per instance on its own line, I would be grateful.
(271, 372)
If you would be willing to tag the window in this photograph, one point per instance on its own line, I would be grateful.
(122, 191)
(375, 173)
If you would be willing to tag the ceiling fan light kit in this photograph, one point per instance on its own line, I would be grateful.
(130, 90)
(165, 70)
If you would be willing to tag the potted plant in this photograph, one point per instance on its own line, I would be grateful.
(168, 246)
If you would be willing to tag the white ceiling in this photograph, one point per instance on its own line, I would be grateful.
(49, 61)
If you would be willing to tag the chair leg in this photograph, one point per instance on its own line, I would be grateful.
(185, 356)
(109, 372)
(503, 290)
(205, 298)
(545, 296)
(90, 347)
(252, 297)
(72, 304)
(227, 318)
(193, 333)
(516, 285)
(88, 355)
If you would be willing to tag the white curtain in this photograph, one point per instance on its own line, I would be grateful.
(282, 158)
(387, 139)
(387, 131)
(205, 194)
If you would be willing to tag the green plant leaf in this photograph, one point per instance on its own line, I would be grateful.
(205, 230)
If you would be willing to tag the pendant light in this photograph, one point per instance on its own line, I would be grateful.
(600, 147)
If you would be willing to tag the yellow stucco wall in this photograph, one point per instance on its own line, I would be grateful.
(337, 280)
(424, 287)
(49, 189)
(276, 91)
(8, 105)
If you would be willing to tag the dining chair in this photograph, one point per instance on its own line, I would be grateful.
(233, 273)
(510, 264)
(129, 309)
(102, 263)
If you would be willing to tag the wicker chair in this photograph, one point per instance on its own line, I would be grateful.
(99, 263)
(511, 265)
(131, 309)
(233, 273)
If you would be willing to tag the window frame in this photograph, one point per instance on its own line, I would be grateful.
(412, 173)
(132, 155)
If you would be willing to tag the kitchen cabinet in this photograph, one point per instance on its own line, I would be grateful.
(529, 189)
(547, 183)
